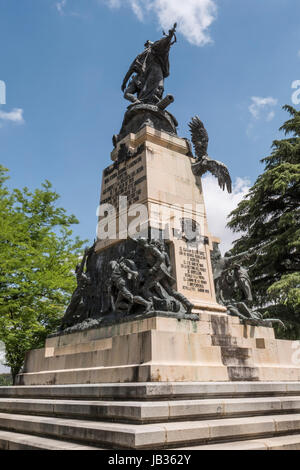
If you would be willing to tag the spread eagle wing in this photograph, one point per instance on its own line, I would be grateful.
(218, 169)
(204, 163)
(200, 137)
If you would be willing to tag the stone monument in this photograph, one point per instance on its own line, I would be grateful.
(155, 300)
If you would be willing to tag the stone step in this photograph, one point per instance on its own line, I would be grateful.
(156, 411)
(272, 443)
(154, 390)
(16, 441)
(152, 436)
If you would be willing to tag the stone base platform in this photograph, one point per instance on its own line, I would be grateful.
(162, 349)
(200, 416)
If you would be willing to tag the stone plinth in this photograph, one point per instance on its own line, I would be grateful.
(153, 169)
(161, 349)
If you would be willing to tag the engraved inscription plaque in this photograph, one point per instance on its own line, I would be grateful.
(194, 267)
(126, 179)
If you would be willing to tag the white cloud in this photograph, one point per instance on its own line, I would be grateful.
(219, 205)
(261, 108)
(137, 9)
(113, 3)
(61, 6)
(16, 116)
(270, 115)
(194, 17)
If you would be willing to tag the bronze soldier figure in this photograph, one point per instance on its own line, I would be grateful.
(122, 297)
(160, 274)
(78, 300)
(148, 71)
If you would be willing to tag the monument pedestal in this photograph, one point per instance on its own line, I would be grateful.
(163, 349)
(152, 171)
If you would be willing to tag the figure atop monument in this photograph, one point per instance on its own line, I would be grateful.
(148, 71)
(143, 86)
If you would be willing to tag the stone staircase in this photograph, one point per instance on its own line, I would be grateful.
(198, 416)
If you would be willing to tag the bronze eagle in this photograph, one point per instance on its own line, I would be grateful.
(204, 163)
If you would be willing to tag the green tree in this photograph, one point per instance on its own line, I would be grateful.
(269, 218)
(37, 259)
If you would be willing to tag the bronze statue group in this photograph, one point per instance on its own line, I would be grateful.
(234, 289)
(137, 283)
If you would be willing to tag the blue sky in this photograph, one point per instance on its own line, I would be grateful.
(63, 63)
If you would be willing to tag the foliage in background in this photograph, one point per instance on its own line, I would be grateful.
(5, 380)
(37, 259)
(269, 218)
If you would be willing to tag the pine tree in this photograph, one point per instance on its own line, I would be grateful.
(37, 259)
(269, 218)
